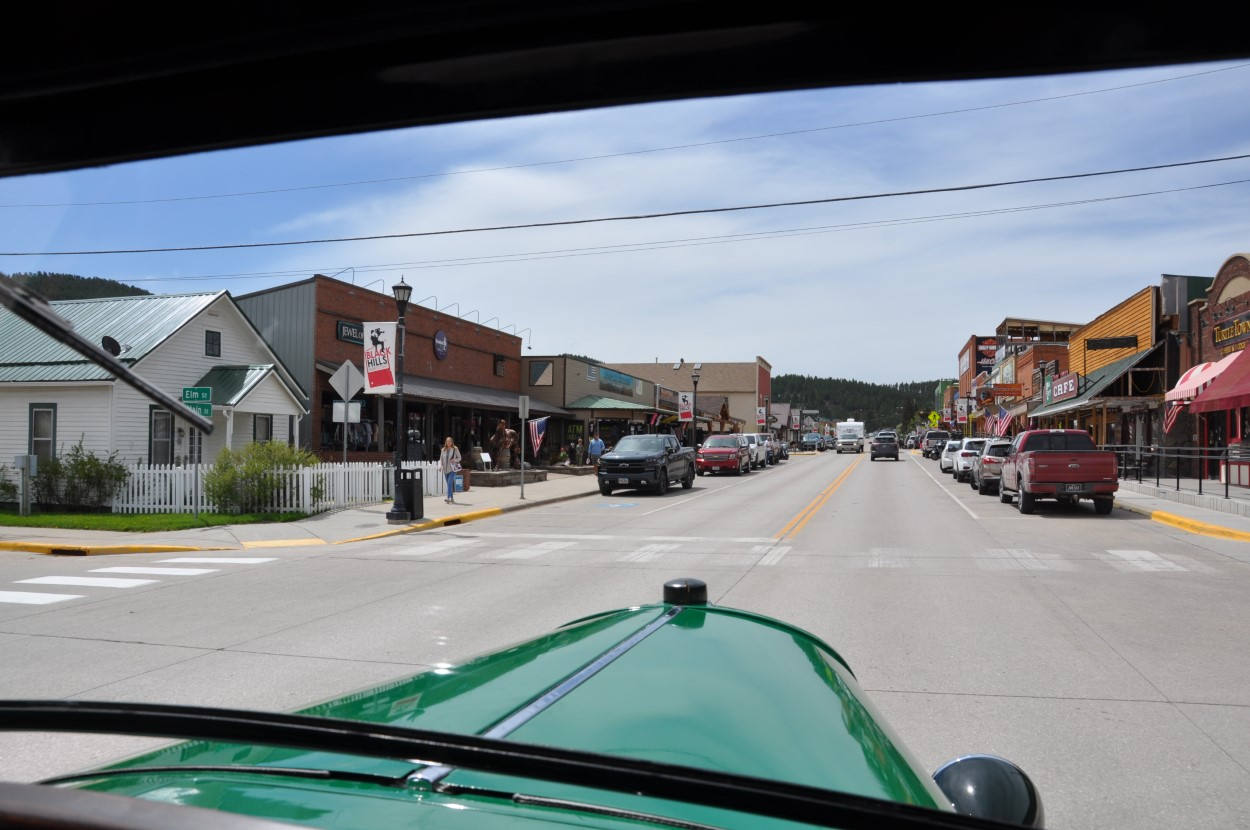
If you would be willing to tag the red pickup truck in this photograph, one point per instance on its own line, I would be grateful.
(1058, 464)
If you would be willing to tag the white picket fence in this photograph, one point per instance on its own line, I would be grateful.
(160, 488)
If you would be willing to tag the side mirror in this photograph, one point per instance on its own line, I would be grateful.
(986, 786)
(698, 446)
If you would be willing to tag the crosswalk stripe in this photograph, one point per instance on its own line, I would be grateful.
(1144, 560)
(34, 598)
(87, 581)
(772, 557)
(647, 553)
(531, 552)
(439, 548)
(224, 560)
(156, 571)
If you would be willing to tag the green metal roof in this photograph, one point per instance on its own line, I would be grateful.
(230, 384)
(1096, 382)
(141, 323)
(600, 402)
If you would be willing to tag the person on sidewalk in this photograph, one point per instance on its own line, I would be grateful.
(449, 465)
(596, 450)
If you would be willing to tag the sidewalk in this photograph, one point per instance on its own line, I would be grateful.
(1206, 515)
(336, 527)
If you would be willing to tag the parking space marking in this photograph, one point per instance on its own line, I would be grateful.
(34, 598)
(648, 553)
(87, 581)
(531, 552)
(155, 571)
(225, 560)
(1144, 560)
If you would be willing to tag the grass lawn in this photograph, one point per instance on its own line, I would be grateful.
(140, 522)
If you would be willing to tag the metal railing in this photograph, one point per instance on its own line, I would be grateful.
(1168, 465)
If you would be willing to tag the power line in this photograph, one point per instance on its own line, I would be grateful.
(623, 153)
(627, 217)
(697, 241)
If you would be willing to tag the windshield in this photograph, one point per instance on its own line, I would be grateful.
(415, 344)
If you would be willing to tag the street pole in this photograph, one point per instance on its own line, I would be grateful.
(400, 509)
(694, 410)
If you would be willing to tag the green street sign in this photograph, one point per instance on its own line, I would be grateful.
(197, 394)
(205, 409)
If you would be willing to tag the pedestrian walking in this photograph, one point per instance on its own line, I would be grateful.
(449, 465)
(596, 450)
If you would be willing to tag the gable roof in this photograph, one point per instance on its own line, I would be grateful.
(142, 323)
(230, 384)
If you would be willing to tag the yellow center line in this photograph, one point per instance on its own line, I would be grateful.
(801, 518)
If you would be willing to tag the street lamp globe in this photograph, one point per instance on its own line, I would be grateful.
(402, 292)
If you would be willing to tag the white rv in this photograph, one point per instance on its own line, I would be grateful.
(850, 436)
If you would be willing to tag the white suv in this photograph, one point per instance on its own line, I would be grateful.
(759, 450)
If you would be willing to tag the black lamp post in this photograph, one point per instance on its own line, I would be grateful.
(400, 509)
(694, 410)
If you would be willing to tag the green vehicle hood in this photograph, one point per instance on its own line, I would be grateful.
(708, 687)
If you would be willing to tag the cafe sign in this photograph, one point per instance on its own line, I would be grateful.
(1065, 386)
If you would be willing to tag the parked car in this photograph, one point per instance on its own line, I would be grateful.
(934, 441)
(723, 454)
(969, 449)
(1058, 464)
(884, 446)
(987, 467)
(812, 441)
(652, 461)
(946, 460)
(759, 451)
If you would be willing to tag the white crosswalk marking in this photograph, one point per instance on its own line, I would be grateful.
(773, 556)
(1144, 560)
(885, 558)
(440, 548)
(223, 560)
(87, 581)
(155, 571)
(531, 552)
(34, 598)
(647, 553)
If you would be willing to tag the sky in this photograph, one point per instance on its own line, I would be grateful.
(876, 289)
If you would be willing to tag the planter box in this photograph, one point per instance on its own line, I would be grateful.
(507, 478)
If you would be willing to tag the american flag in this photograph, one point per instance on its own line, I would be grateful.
(538, 428)
(1171, 414)
(1004, 423)
(991, 424)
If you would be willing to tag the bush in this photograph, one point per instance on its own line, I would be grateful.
(8, 489)
(79, 479)
(247, 481)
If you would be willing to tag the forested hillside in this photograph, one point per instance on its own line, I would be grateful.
(878, 405)
(71, 287)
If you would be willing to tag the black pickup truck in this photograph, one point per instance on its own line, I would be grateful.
(646, 461)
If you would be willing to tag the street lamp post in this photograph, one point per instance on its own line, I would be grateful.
(400, 510)
(694, 410)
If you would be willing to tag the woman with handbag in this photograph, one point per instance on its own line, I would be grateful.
(449, 465)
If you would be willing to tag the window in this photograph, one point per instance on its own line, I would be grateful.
(212, 343)
(541, 372)
(262, 427)
(160, 436)
(500, 362)
(43, 431)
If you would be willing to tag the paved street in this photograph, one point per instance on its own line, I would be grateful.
(1106, 655)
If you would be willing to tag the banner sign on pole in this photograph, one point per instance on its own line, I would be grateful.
(759, 416)
(685, 406)
(794, 422)
(380, 358)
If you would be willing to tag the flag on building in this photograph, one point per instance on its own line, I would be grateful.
(1170, 414)
(1004, 422)
(991, 424)
(538, 429)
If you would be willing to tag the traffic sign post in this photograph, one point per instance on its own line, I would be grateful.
(523, 407)
(198, 399)
(347, 381)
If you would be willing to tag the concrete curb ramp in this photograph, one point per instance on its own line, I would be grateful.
(71, 549)
(1186, 524)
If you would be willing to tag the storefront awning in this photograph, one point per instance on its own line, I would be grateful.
(464, 394)
(1096, 383)
(1231, 390)
(601, 402)
(1193, 382)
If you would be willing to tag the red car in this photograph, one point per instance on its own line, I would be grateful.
(723, 453)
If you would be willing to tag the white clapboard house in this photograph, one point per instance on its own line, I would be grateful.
(51, 397)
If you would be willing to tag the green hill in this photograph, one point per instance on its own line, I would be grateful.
(878, 405)
(71, 287)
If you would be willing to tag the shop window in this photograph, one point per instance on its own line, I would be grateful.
(541, 372)
(500, 362)
(262, 428)
(42, 431)
(160, 436)
(212, 344)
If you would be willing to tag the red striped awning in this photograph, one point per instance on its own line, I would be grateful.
(1231, 390)
(1199, 378)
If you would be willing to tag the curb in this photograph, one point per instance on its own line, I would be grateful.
(1186, 524)
(70, 549)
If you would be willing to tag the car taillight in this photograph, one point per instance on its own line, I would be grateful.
(967, 454)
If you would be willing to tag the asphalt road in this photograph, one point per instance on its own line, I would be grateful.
(1105, 655)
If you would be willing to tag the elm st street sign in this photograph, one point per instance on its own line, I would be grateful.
(198, 399)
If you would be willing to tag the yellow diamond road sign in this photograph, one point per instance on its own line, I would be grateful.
(933, 419)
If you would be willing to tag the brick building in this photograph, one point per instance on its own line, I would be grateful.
(460, 377)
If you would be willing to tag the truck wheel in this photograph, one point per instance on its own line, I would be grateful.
(606, 489)
(1004, 495)
(661, 481)
(981, 488)
(1026, 502)
(972, 482)
(1103, 506)
(688, 481)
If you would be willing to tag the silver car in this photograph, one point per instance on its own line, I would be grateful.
(759, 451)
(946, 461)
(988, 466)
(969, 449)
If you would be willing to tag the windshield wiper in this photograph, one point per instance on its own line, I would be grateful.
(285, 772)
(569, 804)
(730, 791)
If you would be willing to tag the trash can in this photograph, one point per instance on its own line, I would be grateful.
(414, 491)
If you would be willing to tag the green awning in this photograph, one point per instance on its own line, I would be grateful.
(230, 384)
(1096, 383)
(600, 402)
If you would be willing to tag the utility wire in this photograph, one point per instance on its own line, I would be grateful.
(627, 217)
(623, 153)
(694, 241)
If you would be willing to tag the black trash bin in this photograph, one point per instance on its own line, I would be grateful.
(414, 491)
